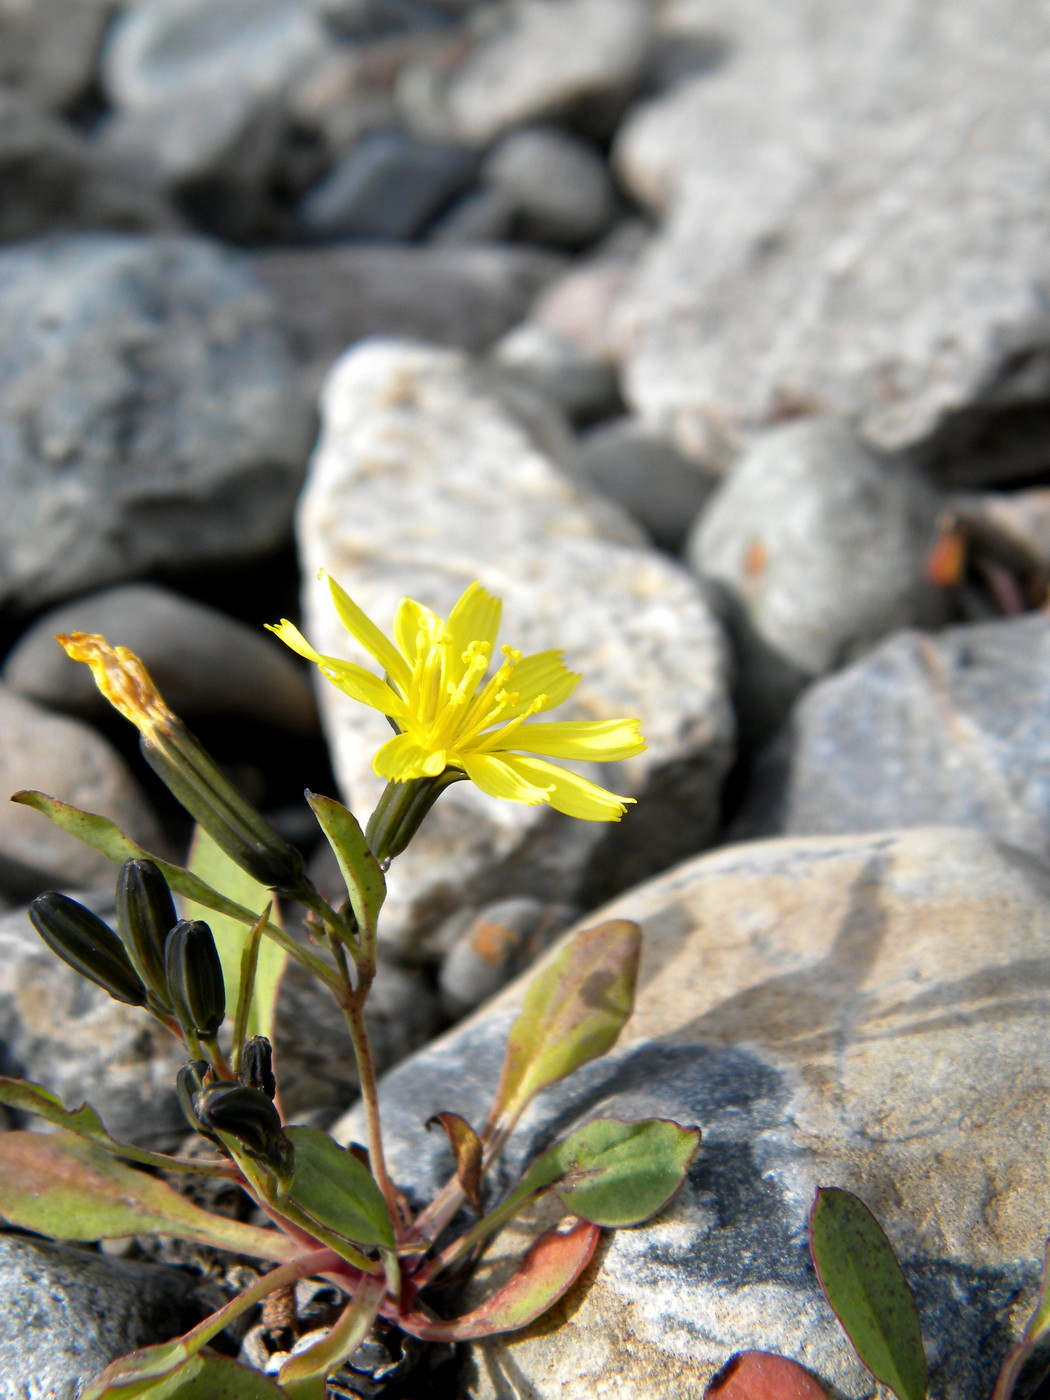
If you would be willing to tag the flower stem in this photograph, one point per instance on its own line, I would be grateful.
(353, 1006)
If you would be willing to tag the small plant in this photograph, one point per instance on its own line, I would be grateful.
(335, 1213)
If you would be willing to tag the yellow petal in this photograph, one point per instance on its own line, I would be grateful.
(475, 618)
(403, 757)
(501, 777)
(571, 794)
(363, 629)
(542, 673)
(407, 623)
(600, 740)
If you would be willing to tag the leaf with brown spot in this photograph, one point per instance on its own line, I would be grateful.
(466, 1147)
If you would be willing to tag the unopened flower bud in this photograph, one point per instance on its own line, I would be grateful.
(81, 939)
(194, 979)
(243, 1113)
(145, 917)
(257, 1065)
(189, 1081)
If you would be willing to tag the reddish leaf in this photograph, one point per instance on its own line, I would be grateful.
(466, 1145)
(759, 1375)
(550, 1268)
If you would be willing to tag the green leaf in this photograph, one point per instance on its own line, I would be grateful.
(303, 1376)
(1034, 1332)
(572, 1012)
(549, 1270)
(85, 1122)
(212, 865)
(199, 1378)
(866, 1289)
(365, 882)
(615, 1173)
(761, 1375)
(332, 1187)
(70, 1189)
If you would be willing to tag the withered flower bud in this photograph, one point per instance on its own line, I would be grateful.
(145, 916)
(88, 945)
(244, 1113)
(194, 979)
(189, 1081)
(257, 1065)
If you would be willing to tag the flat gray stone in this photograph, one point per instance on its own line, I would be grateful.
(68, 1313)
(952, 727)
(202, 661)
(864, 1012)
(69, 760)
(866, 239)
(817, 546)
(150, 413)
(422, 482)
(49, 48)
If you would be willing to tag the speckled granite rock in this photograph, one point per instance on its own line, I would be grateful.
(422, 482)
(860, 1011)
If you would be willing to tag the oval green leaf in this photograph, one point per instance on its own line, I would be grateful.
(867, 1291)
(200, 1378)
(332, 1187)
(361, 872)
(573, 1012)
(70, 1189)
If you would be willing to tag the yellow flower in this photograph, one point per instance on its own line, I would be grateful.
(448, 716)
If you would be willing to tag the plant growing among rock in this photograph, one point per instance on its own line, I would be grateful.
(335, 1214)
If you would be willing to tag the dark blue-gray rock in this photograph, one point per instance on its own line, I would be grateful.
(389, 186)
(67, 759)
(648, 476)
(855, 228)
(49, 48)
(150, 413)
(557, 185)
(865, 1012)
(52, 179)
(61, 1031)
(464, 297)
(492, 945)
(817, 547)
(69, 1312)
(953, 728)
(371, 19)
(202, 661)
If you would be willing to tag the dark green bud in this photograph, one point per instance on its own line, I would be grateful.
(245, 1114)
(145, 917)
(189, 1081)
(81, 939)
(257, 1065)
(194, 977)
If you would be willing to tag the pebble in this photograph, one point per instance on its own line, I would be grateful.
(556, 184)
(493, 945)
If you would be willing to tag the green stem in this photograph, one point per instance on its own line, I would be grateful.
(353, 1005)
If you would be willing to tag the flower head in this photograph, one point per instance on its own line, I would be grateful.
(453, 711)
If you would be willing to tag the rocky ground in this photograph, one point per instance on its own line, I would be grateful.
(715, 338)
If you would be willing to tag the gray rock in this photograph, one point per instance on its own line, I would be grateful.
(865, 1012)
(524, 70)
(68, 760)
(492, 945)
(557, 185)
(49, 48)
(817, 547)
(52, 179)
(865, 240)
(149, 413)
(580, 304)
(584, 387)
(389, 186)
(202, 661)
(63, 1032)
(662, 489)
(947, 728)
(464, 297)
(423, 482)
(484, 215)
(68, 1313)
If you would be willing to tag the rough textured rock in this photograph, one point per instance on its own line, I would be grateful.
(49, 48)
(557, 187)
(464, 297)
(947, 728)
(71, 761)
(63, 1032)
(202, 661)
(525, 71)
(423, 482)
(858, 1011)
(68, 1313)
(491, 946)
(817, 547)
(149, 413)
(866, 239)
